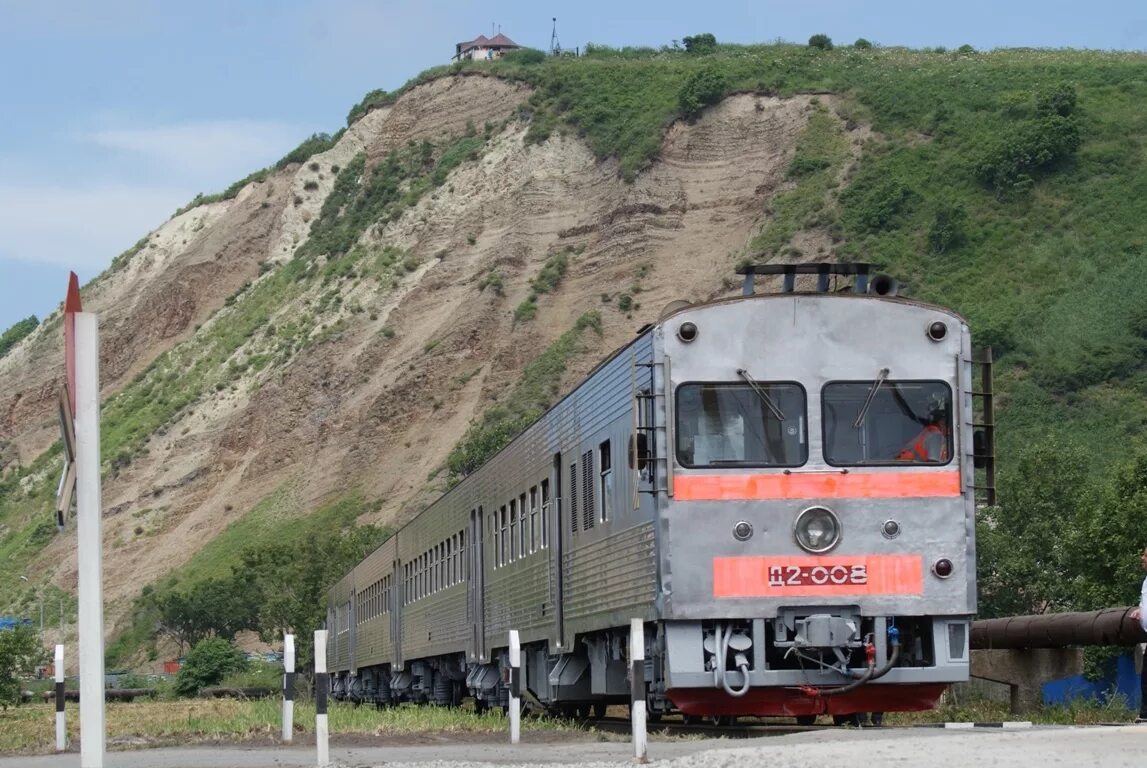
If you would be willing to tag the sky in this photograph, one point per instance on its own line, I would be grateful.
(114, 113)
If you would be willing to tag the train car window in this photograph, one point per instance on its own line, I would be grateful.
(523, 527)
(497, 539)
(545, 513)
(605, 464)
(514, 551)
(739, 425)
(505, 535)
(534, 519)
(890, 423)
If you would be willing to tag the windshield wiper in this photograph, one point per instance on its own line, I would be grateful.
(761, 394)
(880, 377)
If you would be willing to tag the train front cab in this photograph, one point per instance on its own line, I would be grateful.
(817, 544)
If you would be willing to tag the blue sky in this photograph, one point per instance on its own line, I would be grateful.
(113, 113)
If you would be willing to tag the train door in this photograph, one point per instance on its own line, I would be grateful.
(476, 602)
(398, 598)
(557, 514)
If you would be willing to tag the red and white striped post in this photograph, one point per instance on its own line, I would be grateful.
(637, 688)
(322, 688)
(61, 726)
(288, 687)
(515, 687)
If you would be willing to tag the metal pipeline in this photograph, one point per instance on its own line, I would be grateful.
(1110, 626)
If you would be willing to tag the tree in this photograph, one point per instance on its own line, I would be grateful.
(703, 43)
(860, 43)
(20, 654)
(823, 42)
(1028, 545)
(219, 607)
(291, 581)
(211, 660)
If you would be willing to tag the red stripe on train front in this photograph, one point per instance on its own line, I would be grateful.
(853, 485)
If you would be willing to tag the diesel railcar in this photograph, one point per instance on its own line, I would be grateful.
(782, 486)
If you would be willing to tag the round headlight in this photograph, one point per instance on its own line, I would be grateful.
(817, 529)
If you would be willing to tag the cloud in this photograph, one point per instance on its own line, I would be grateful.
(208, 152)
(82, 227)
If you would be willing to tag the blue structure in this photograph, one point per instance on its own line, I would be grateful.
(8, 622)
(1121, 679)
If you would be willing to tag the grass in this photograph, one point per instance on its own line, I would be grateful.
(816, 164)
(536, 390)
(29, 729)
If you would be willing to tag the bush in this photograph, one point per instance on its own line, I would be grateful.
(823, 42)
(860, 43)
(1031, 146)
(524, 56)
(1059, 100)
(701, 88)
(16, 333)
(20, 654)
(703, 43)
(965, 48)
(947, 228)
(207, 664)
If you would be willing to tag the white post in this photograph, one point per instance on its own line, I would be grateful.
(89, 533)
(515, 687)
(322, 687)
(637, 687)
(288, 687)
(61, 730)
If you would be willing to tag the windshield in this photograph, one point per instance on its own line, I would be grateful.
(906, 422)
(733, 425)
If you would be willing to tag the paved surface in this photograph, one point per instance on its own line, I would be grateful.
(1040, 747)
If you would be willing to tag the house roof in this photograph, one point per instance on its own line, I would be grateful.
(500, 39)
(497, 41)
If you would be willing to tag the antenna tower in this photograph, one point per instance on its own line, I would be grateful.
(555, 46)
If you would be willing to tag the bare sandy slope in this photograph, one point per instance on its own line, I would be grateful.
(378, 411)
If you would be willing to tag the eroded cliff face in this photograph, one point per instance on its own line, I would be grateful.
(388, 365)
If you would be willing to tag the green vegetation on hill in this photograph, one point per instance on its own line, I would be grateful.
(1008, 185)
(17, 333)
(1011, 186)
(535, 391)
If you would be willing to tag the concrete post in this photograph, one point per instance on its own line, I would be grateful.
(288, 687)
(637, 688)
(1025, 671)
(322, 688)
(515, 687)
(61, 725)
(89, 533)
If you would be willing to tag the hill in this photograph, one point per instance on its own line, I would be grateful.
(328, 340)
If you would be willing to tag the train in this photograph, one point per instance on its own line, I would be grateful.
(781, 486)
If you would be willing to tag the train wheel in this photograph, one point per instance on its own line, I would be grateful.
(853, 719)
(599, 709)
(723, 721)
(480, 706)
(583, 711)
(806, 719)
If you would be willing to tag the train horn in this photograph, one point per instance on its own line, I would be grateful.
(883, 285)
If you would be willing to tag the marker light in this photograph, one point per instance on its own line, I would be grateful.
(942, 568)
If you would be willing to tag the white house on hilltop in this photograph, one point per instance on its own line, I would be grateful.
(484, 48)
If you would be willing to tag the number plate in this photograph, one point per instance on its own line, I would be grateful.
(818, 576)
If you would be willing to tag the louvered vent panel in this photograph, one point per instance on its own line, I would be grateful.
(588, 509)
(573, 497)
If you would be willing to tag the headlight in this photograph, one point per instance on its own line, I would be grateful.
(817, 529)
